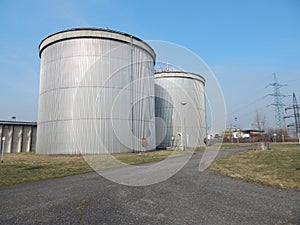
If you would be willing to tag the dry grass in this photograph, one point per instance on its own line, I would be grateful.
(26, 167)
(153, 156)
(224, 146)
(279, 166)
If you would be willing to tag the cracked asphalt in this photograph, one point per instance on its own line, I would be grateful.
(188, 197)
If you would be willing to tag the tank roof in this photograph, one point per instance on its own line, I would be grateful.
(9, 122)
(94, 33)
(181, 74)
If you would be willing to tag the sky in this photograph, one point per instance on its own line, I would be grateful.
(243, 43)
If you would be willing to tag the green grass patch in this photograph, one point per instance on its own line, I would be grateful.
(279, 166)
(27, 167)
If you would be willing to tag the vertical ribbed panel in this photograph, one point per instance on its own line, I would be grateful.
(180, 102)
(7, 132)
(96, 96)
(27, 137)
(17, 139)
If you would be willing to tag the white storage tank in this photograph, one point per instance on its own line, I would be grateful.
(180, 103)
(96, 93)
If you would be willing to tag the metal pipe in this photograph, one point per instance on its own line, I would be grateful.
(2, 149)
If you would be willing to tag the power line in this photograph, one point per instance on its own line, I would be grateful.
(246, 105)
(242, 107)
(277, 102)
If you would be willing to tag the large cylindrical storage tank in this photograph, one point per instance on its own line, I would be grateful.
(180, 109)
(96, 93)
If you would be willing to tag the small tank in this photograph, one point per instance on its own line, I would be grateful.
(180, 109)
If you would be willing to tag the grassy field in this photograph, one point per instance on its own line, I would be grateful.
(279, 166)
(26, 167)
(153, 156)
(224, 146)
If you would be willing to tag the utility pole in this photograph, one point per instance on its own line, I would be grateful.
(277, 102)
(184, 127)
(296, 115)
(2, 148)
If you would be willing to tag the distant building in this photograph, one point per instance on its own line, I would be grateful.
(19, 136)
(256, 135)
(234, 133)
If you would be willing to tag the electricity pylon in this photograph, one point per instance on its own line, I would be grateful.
(278, 105)
(296, 109)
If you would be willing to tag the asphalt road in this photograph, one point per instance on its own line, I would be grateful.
(189, 197)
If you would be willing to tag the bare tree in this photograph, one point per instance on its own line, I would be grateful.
(259, 121)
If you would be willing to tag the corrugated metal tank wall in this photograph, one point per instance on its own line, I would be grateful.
(96, 90)
(18, 137)
(180, 103)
